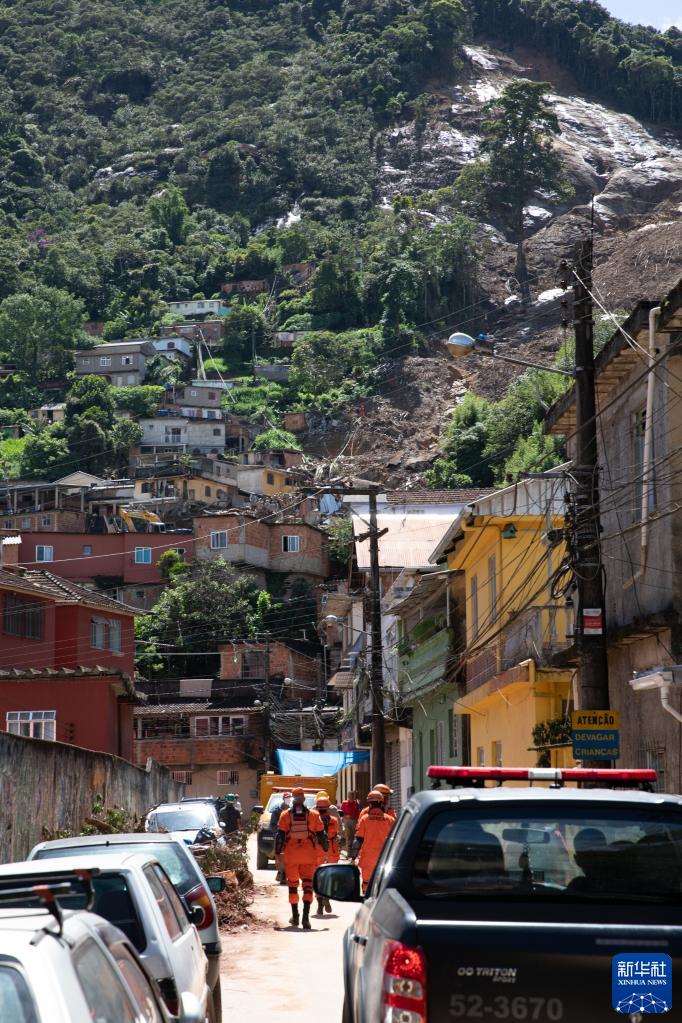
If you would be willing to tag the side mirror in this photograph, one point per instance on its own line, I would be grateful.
(215, 884)
(258, 809)
(340, 881)
(190, 1010)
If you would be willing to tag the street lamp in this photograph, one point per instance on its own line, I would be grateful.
(461, 345)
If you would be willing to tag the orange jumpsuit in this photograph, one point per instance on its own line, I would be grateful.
(300, 849)
(390, 812)
(373, 828)
(331, 826)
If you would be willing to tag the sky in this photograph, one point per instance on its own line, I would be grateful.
(659, 13)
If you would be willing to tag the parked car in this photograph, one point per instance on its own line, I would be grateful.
(74, 967)
(185, 875)
(133, 892)
(493, 903)
(185, 820)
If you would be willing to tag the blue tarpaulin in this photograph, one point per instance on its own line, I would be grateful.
(314, 764)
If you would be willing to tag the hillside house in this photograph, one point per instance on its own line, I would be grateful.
(264, 481)
(175, 347)
(293, 548)
(209, 747)
(122, 363)
(176, 435)
(200, 307)
(49, 413)
(205, 394)
(210, 332)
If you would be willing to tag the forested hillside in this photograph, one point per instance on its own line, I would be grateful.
(152, 150)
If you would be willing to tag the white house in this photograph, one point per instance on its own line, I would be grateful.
(200, 307)
(181, 435)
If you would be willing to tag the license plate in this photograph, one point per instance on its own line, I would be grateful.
(506, 1007)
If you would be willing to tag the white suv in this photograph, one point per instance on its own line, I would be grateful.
(133, 892)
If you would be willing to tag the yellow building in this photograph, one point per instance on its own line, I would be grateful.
(515, 628)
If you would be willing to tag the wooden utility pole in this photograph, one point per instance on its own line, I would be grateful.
(377, 662)
(590, 625)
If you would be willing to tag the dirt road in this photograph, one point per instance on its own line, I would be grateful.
(261, 966)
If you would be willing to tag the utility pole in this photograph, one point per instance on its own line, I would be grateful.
(377, 662)
(590, 625)
(253, 350)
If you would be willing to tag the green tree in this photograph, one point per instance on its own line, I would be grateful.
(209, 604)
(139, 401)
(39, 331)
(46, 456)
(463, 463)
(518, 159)
(125, 435)
(169, 211)
(276, 439)
(90, 396)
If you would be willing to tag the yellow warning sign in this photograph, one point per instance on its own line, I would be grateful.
(589, 719)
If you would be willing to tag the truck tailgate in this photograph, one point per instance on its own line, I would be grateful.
(481, 970)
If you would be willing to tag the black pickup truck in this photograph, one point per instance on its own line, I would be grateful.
(511, 904)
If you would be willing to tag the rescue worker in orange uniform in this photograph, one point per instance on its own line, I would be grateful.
(300, 829)
(386, 792)
(372, 831)
(333, 853)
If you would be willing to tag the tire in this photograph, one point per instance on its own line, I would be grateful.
(262, 860)
(217, 1001)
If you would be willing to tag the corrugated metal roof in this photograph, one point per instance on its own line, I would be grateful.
(158, 710)
(407, 544)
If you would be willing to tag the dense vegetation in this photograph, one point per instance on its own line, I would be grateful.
(152, 150)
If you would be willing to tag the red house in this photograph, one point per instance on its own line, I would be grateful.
(66, 663)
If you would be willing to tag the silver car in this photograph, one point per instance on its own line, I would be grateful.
(185, 875)
(133, 892)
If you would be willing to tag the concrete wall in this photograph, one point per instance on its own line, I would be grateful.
(52, 785)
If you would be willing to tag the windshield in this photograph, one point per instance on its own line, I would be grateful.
(174, 860)
(190, 819)
(566, 853)
(275, 800)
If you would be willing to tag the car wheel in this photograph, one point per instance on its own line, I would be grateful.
(261, 860)
(217, 1000)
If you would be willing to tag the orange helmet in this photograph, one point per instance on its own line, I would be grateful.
(298, 791)
(384, 789)
(375, 796)
(322, 800)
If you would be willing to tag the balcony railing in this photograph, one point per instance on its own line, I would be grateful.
(537, 633)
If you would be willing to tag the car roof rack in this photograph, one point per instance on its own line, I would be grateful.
(558, 777)
(22, 891)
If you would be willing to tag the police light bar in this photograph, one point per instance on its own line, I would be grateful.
(556, 775)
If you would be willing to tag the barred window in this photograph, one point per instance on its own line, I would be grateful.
(22, 617)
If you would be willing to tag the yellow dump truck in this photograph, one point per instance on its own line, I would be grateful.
(271, 788)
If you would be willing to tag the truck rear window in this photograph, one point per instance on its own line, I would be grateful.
(566, 853)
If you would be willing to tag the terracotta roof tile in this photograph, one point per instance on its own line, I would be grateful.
(45, 584)
(465, 496)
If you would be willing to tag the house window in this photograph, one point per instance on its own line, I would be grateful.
(194, 393)
(492, 589)
(46, 520)
(44, 552)
(216, 431)
(8, 523)
(210, 727)
(126, 360)
(146, 488)
(237, 726)
(638, 431)
(171, 345)
(291, 544)
(452, 734)
(115, 636)
(183, 777)
(207, 491)
(143, 555)
(87, 550)
(25, 523)
(34, 724)
(228, 777)
(131, 378)
(85, 362)
(496, 752)
(219, 540)
(105, 360)
(270, 478)
(22, 617)
(98, 634)
(653, 758)
(480, 756)
(474, 607)
(212, 395)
